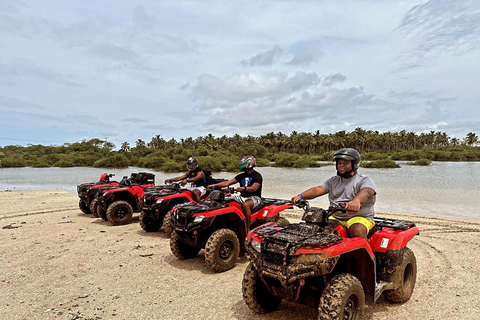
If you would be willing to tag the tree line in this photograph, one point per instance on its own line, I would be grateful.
(297, 150)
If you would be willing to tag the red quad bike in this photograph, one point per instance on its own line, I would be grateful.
(315, 262)
(218, 225)
(157, 204)
(117, 204)
(87, 191)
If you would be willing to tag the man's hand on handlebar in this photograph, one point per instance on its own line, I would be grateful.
(353, 207)
(296, 199)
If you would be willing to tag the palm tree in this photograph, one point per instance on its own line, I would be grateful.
(125, 147)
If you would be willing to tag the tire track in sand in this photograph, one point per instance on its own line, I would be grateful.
(24, 214)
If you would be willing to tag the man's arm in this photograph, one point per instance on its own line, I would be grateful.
(362, 197)
(254, 187)
(199, 176)
(224, 183)
(177, 178)
(309, 194)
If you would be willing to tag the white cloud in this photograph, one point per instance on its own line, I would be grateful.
(266, 58)
(189, 69)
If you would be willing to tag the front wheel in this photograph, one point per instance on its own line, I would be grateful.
(222, 250)
(255, 293)
(83, 206)
(148, 224)
(342, 298)
(167, 224)
(180, 249)
(94, 208)
(120, 212)
(403, 277)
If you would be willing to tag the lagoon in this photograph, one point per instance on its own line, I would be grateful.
(447, 189)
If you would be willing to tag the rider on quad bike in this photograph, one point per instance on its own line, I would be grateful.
(349, 186)
(157, 204)
(315, 262)
(86, 191)
(250, 186)
(117, 204)
(195, 176)
(219, 225)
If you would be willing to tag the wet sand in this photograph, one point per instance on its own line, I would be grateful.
(58, 263)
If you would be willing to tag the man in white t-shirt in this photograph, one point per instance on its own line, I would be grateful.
(349, 186)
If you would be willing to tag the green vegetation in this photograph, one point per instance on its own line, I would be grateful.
(383, 163)
(298, 150)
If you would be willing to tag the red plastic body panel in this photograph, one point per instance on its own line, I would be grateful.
(112, 184)
(391, 239)
(184, 194)
(268, 211)
(339, 248)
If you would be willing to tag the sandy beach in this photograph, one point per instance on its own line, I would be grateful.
(58, 263)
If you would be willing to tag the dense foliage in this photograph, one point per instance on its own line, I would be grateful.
(298, 150)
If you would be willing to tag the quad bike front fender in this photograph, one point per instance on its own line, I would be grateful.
(184, 194)
(339, 248)
(271, 211)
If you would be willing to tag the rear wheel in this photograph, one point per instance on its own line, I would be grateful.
(403, 277)
(180, 249)
(222, 250)
(120, 212)
(94, 207)
(255, 293)
(167, 224)
(83, 206)
(148, 224)
(342, 298)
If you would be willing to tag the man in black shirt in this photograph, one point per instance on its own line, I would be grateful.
(196, 176)
(250, 186)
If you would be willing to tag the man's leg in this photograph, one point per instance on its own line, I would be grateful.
(247, 209)
(196, 195)
(357, 230)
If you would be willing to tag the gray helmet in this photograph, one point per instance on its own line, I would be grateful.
(348, 154)
(192, 161)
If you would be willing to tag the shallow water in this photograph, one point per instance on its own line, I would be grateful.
(445, 188)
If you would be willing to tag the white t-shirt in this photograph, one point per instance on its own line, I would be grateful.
(345, 189)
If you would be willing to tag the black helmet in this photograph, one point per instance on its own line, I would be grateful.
(348, 154)
(192, 163)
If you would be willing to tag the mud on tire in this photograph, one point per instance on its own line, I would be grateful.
(120, 212)
(83, 206)
(342, 298)
(167, 224)
(222, 250)
(255, 293)
(403, 278)
(180, 249)
(94, 208)
(148, 224)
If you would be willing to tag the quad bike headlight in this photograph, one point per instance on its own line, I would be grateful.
(159, 200)
(256, 245)
(198, 219)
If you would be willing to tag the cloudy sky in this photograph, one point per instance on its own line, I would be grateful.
(128, 70)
